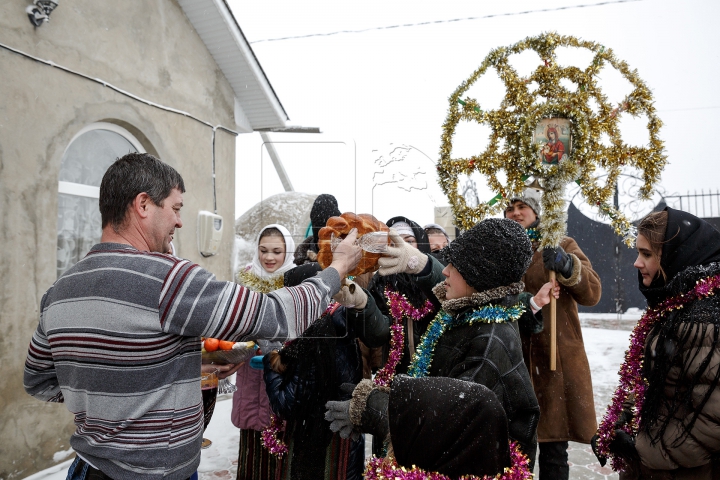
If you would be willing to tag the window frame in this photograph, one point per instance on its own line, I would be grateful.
(90, 191)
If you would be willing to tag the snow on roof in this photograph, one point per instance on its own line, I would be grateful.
(219, 30)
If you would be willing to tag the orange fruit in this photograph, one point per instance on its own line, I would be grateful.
(211, 344)
(225, 345)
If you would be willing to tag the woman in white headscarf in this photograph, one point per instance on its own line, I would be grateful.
(273, 257)
(251, 409)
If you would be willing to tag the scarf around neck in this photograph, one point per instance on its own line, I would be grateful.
(256, 268)
(456, 305)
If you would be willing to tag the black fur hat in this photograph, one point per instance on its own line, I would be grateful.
(324, 207)
(493, 253)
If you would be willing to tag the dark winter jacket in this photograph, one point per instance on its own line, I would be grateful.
(460, 427)
(298, 395)
(285, 391)
(695, 456)
(489, 354)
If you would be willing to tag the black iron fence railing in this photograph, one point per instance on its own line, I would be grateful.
(703, 204)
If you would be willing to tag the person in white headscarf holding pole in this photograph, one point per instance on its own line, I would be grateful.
(251, 407)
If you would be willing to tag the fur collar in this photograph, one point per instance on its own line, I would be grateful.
(476, 299)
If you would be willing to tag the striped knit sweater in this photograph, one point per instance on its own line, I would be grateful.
(119, 342)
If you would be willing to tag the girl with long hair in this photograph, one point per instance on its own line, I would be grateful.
(664, 419)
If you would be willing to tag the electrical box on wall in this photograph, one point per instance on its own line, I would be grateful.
(210, 227)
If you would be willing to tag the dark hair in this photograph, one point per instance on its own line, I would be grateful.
(653, 227)
(129, 176)
(271, 232)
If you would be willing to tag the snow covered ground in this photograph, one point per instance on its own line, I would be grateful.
(605, 348)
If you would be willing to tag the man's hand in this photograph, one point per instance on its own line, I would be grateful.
(351, 296)
(346, 255)
(224, 371)
(557, 260)
(402, 258)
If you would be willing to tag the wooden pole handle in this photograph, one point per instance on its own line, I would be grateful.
(553, 329)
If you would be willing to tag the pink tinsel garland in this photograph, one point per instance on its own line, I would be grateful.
(399, 307)
(269, 437)
(384, 376)
(388, 469)
(632, 381)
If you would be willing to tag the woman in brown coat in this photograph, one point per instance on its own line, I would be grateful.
(567, 409)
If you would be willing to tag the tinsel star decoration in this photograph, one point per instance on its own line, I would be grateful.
(512, 152)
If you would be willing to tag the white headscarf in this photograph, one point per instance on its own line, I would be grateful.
(403, 228)
(257, 268)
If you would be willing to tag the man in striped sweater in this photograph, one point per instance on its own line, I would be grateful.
(119, 334)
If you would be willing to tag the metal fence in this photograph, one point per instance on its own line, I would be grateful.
(703, 205)
(611, 259)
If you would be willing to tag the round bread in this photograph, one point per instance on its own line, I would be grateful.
(339, 227)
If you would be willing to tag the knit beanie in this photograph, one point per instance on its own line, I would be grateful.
(324, 207)
(531, 202)
(435, 225)
(494, 253)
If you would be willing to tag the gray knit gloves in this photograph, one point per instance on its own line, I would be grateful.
(338, 414)
(351, 296)
(366, 412)
(401, 258)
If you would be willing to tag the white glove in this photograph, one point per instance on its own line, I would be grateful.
(402, 258)
(351, 296)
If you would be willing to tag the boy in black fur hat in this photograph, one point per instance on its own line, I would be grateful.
(474, 338)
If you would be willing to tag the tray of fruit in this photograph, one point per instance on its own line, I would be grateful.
(223, 352)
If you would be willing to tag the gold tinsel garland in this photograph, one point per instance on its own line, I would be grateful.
(262, 285)
(520, 112)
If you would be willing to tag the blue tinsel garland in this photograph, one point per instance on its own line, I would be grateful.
(533, 234)
(444, 322)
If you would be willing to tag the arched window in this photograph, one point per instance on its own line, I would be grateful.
(83, 165)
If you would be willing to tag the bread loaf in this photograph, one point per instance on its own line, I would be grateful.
(339, 227)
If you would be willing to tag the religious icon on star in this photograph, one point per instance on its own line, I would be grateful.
(554, 139)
